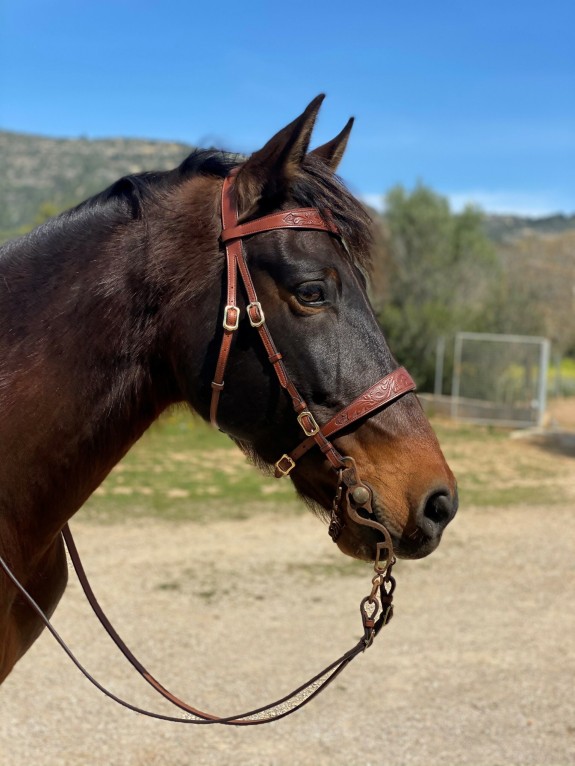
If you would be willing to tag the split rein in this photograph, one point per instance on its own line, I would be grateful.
(352, 500)
(376, 611)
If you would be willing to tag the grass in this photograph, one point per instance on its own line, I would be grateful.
(184, 470)
(562, 380)
(567, 368)
(493, 469)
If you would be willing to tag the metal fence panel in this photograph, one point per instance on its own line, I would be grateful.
(500, 379)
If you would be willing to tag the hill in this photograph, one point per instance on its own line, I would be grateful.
(36, 170)
(505, 228)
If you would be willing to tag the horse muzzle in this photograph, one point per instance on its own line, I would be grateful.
(422, 535)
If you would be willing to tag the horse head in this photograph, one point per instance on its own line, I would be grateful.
(312, 294)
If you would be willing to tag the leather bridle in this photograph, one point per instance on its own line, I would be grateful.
(352, 500)
(383, 392)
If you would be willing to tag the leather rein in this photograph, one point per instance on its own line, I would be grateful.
(352, 500)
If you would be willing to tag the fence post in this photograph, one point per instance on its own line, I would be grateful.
(439, 361)
(542, 386)
(456, 376)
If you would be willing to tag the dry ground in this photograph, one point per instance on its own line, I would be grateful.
(561, 412)
(477, 667)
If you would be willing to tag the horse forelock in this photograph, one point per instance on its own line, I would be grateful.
(316, 186)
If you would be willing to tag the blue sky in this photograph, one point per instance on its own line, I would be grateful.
(475, 99)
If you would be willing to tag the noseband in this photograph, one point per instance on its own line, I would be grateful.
(382, 393)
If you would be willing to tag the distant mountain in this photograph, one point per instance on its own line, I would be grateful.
(506, 228)
(35, 170)
(57, 173)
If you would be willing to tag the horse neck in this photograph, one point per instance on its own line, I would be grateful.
(84, 366)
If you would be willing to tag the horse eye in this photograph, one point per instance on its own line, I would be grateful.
(310, 294)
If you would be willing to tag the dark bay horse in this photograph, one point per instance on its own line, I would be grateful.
(112, 312)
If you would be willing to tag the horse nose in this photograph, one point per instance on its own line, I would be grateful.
(437, 511)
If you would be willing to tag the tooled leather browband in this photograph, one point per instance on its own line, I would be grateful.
(300, 218)
(380, 394)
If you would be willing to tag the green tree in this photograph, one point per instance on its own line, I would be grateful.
(46, 211)
(442, 272)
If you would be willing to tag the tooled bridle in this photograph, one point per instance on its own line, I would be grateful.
(353, 499)
(383, 392)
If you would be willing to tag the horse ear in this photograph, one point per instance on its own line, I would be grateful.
(332, 152)
(269, 171)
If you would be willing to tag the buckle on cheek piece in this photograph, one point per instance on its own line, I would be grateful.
(308, 423)
(256, 314)
(285, 465)
(231, 318)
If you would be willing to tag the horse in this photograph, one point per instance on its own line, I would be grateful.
(112, 312)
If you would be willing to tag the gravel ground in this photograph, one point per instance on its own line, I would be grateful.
(477, 667)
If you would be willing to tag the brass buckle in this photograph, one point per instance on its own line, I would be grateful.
(231, 326)
(258, 307)
(290, 465)
(313, 426)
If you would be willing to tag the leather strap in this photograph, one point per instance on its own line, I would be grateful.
(231, 311)
(375, 611)
(261, 715)
(300, 218)
(384, 392)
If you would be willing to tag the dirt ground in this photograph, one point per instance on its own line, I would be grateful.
(477, 667)
(561, 412)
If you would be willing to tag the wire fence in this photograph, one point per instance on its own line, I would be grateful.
(500, 379)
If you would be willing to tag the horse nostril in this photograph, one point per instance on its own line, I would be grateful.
(438, 510)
